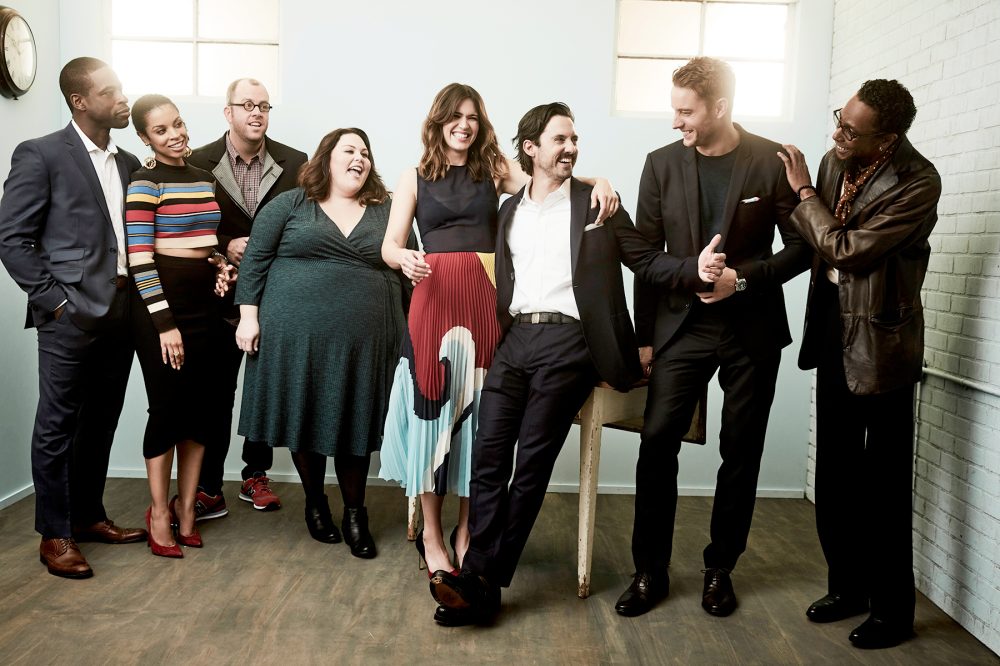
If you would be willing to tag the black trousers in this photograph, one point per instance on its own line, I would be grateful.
(257, 456)
(864, 477)
(540, 377)
(706, 343)
(82, 376)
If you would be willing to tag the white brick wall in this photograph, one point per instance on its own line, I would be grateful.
(948, 55)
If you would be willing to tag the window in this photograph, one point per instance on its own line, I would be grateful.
(194, 47)
(655, 37)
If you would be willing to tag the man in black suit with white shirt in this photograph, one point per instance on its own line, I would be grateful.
(561, 306)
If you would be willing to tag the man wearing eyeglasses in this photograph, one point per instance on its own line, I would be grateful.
(251, 169)
(868, 219)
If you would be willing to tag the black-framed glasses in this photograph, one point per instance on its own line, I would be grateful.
(249, 106)
(848, 132)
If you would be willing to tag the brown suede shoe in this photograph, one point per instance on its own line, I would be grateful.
(63, 558)
(107, 532)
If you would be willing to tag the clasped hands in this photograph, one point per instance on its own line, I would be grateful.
(712, 269)
(412, 263)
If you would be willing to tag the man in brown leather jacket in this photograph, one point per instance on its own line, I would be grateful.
(868, 219)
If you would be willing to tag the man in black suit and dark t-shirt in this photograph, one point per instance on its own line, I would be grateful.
(714, 198)
(250, 169)
(565, 322)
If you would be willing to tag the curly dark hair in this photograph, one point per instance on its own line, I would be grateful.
(892, 102)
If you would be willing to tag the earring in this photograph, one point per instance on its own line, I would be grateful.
(149, 162)
(187, 152)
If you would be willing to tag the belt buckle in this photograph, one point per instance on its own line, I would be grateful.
(535, 317)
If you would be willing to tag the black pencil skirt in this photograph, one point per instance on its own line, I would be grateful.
(190, 403)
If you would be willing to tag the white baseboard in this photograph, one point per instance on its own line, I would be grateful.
(17, 496)
(602, 489)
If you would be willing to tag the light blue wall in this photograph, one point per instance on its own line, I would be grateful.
(35, 114)
(377, 66)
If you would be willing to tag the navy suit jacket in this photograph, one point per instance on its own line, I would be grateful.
(56, 236)
(596, 257)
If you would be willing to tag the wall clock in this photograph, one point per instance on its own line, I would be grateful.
(17, 66)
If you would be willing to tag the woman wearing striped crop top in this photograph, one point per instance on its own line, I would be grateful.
(170, 217)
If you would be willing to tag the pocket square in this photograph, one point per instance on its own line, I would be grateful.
(750, 200)
(592, 226)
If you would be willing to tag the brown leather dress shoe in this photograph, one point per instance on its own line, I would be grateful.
(718, 597)
(107, 532)
(63, 558)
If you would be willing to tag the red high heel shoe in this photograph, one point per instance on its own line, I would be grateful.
(157, 549)
(192, 540)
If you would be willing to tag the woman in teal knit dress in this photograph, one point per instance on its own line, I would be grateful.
(322, 322)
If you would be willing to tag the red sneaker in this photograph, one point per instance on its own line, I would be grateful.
(208, 506)
(257, 491)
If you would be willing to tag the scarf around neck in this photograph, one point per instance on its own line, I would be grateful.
(855, 178)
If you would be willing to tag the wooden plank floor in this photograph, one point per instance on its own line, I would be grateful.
(263, 592)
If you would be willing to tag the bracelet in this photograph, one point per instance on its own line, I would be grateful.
(225, 259)
(798, 192)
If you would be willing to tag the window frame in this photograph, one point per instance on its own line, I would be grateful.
(789, 61)
(194, 41)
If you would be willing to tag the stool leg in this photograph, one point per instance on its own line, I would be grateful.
(591, 422)
(413, 518)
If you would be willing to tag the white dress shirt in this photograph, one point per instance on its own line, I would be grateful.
(111, 184)
(539, 242)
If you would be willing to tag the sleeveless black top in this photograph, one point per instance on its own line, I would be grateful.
(455, 214)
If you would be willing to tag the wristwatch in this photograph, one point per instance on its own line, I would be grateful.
(741, 282)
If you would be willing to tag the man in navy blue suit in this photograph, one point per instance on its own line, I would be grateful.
(62, 239)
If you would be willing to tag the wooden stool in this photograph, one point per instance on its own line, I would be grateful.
(622, 411)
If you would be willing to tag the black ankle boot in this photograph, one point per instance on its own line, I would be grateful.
(355, 527)
(320, 522)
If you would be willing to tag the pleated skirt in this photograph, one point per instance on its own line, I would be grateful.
(451, 335)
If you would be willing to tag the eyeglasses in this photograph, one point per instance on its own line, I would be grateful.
(848, 132)
(250, 106)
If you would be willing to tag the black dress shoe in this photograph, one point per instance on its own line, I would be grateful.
(874, 634)
(718, 597)
(467, 592)
(834, 607)
(320, 523)
(356, 534)
(645, 592)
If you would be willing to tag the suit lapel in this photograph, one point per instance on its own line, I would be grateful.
(272, 171)
(690, 170)
(885, 179)
(579, 207)
(744, 159)
(223, 173)
(86, 166)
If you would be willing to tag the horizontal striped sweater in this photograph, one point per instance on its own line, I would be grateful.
(166, 207)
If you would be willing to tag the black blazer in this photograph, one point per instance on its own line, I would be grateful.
(760, 199)
(596, 255)
(56, 236)
(281, 169)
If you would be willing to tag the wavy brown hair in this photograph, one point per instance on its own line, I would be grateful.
(314, 175)
(485, 158)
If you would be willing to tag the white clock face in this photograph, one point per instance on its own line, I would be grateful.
(19, 52)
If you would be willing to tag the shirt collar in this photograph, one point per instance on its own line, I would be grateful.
(90, 146)
(235, 155)
(562, 192)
